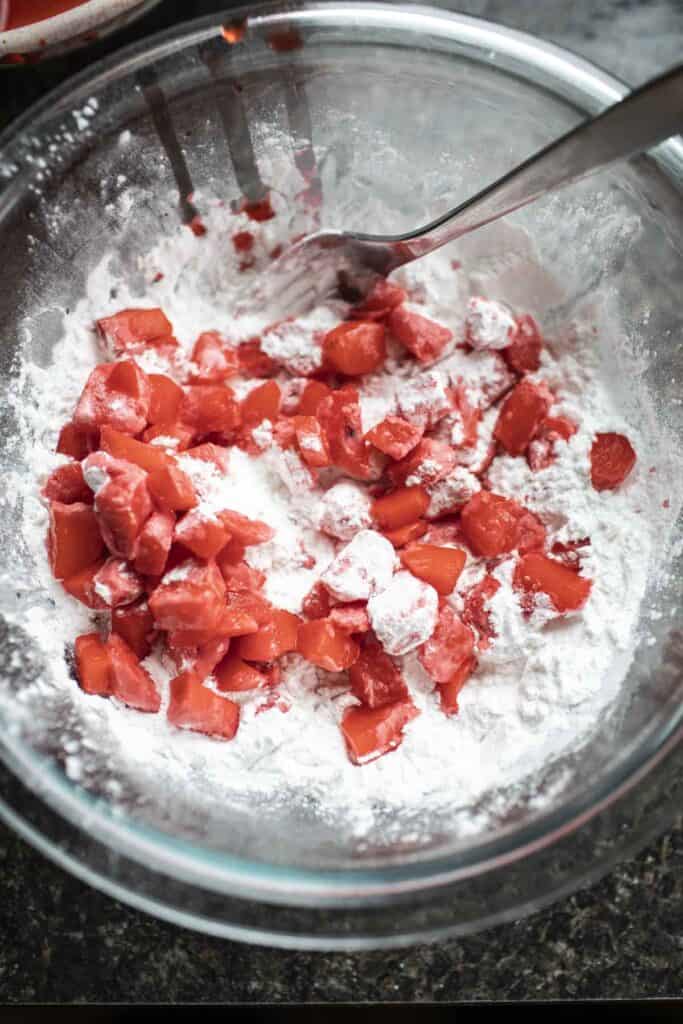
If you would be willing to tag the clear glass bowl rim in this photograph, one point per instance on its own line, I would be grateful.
(590, 88)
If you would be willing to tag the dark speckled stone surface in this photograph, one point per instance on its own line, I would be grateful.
(622, 938)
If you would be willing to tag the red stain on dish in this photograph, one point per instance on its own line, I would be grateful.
(285, 40)
(243, 241)
(197, 226)
(234, 33)
(256, 209)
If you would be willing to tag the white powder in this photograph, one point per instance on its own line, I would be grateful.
(362, 568)
(538, 691)
(489, 324)
(403, 615)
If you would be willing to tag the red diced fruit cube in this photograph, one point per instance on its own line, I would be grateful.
(521, 415)
(210, 408)
(115, 394)
(476, 612)
(195, 707)
(165, 398)
(394, 436)
(352, 617)
(317, 603)
(75, 443)
(135, 624)
(74, 541)
(122, 501)
(172, 488)
(277, 636)
(66, 484)
(247, 531)
(129, 680)
(201, 535)
(450, 646)
(262, 403)
(116, 583)
(400, 508)
(355, 348)
(254, 362)
(429, 462)
(379, 302)
(375, 677)
(92, 664)
(82, 586)
(371, 732)
(436, 565)
(311, 441)
(236, 675)
(231, 555)
(541, 451)
(132, 330)
(312, 395)
(240, 577)
(406, 534)
(213, 360)
(340, 419)
(424, 338)
(567, 590)
(489, 524)
(530, 531)
(470, 416)
(448, 692)
(190, 597)
(174, 437)
(612, 459)
(122, 446)
(216, 454)
(154, 544)
(327, 645)
(206, 657)
(523, 355)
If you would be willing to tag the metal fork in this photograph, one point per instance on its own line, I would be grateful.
(332, 261)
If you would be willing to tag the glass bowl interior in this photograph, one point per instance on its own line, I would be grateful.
(421, 109)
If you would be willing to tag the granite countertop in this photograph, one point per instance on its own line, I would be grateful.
(621, 938)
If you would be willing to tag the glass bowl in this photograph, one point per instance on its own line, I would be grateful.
(420, 107)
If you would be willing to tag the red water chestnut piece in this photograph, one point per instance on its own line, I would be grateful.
(567, 590)
(521, 415)
(213, 360)
(355, 347)
(403, 506)
(74, 541)
(92, 664)
(394, 436)
(371, 732)
(375, 677)
(436, 565)
(132, 330)
(195, 707)
(66, 484)
(340, 419)
(450, 646)
(326, 644)
(424, 338)
(612, 459)
(129, 680)
(135, 624)
(523, 355)
(165, 397)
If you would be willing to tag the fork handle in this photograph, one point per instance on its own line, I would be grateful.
(648, 115)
